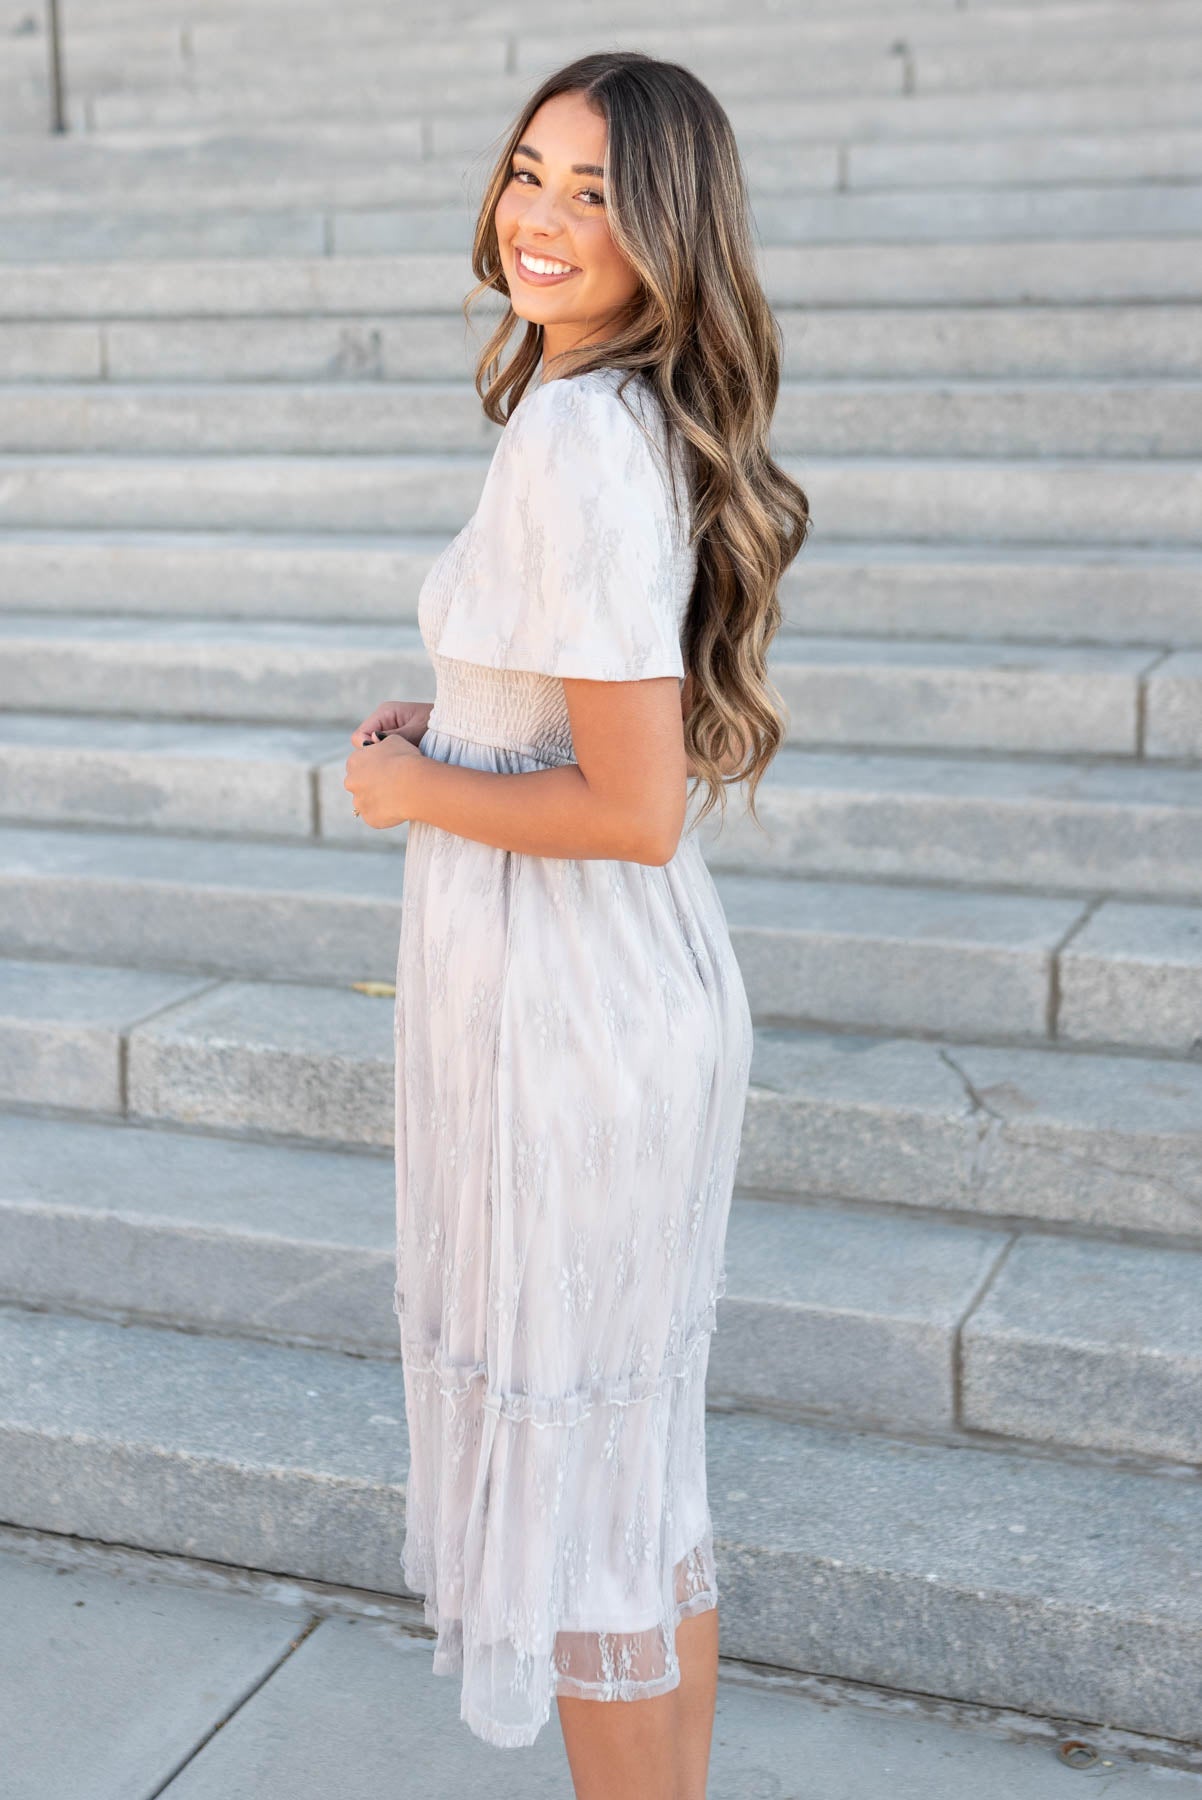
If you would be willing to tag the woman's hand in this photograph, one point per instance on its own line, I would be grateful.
(407, 718)
(382, 777)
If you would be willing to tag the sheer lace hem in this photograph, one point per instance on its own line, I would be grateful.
(591, 1665)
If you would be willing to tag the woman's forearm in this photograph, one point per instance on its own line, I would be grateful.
(543, 812)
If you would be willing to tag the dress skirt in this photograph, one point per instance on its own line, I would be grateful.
(573, 1048)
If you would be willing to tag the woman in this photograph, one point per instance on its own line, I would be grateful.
(573, 1036)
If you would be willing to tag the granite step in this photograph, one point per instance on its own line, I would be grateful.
(384, 163)
(840, 691)
(1083, 210)
(443, 37)
(981, 1131)
(1080, 211)
(728, 56)
(1102, 349)
(1089, 275)
(888, 59)
(491, 15)
(1048, 500)
(944, 961)
(173, 775)
(1024, 1571)
(861, 1314)
(964, 592)
(1039, 824)
(462, 112)
(1094, 826)
(861, 956)
(892, 1321)
(920, 416)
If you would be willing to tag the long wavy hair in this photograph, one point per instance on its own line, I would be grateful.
(701, 332)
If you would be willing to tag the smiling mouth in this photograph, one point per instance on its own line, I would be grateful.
(557, 274)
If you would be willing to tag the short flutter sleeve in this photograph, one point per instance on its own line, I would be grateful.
(576, 561)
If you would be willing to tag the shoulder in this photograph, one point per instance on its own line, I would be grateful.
(580, 428)
(587, 413)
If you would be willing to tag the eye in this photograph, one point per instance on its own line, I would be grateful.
(596, 199)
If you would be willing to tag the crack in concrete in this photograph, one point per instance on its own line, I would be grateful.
(995, 1128)
(977, 1101)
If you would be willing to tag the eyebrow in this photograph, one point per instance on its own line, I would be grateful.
(577, 168)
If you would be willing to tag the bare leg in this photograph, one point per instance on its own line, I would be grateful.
(654, 1749)
(696, 1699)
(621, 1749)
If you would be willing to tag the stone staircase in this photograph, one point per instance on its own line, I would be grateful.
(956, 1390)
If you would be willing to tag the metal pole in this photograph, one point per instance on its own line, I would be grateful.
(58, 119)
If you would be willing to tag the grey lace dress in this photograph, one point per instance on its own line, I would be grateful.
(573, 1048)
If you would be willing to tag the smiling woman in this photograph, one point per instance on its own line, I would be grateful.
(573, 1036)
(552, 210)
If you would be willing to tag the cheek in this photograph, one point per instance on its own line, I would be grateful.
(611, 268)
(504, 213)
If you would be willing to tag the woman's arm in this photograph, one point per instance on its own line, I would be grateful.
(624, 797)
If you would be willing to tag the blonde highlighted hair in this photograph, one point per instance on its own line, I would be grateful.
(701, 332)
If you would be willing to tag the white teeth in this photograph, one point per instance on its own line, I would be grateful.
(538, 265)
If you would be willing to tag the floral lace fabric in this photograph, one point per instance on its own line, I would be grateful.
(573, 1046)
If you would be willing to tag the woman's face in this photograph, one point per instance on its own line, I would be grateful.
(554, 207)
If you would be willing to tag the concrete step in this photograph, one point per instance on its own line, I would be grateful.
(898, 1322)
(861, 955)
(1106, 1143)
(1069, 592)
(845, 691)
(294, 1460)
(488, 16)
(1042, 1348)
(1074, 500)
(1039, 823)
(171, 775)
(906, 959)
(891, 279)
(873, 59)
(1025, 147)
(1075, 347)
(381, 165)
(917, 215)
(384, 162)
(1080, 211)
(825, 1314)
(1010, 160)
(700, 27)
(725, 54)
(925, 416)
(1117, 595)
(1001, 1133)
(1050, 825)
(461, 112)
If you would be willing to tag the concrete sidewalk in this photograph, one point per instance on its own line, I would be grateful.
(126, 1676)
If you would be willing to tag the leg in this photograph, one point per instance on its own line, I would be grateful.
(655, 1749)
(621, 1749)
(696, 1698)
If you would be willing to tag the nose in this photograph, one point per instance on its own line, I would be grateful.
(540, 215)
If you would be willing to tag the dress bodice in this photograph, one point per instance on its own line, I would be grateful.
(578, 561)
(513, 709)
